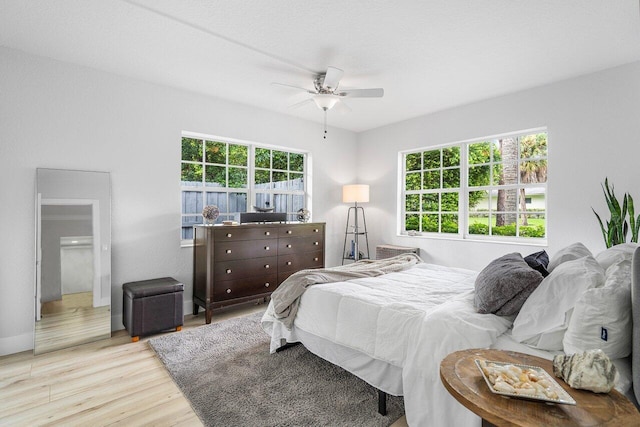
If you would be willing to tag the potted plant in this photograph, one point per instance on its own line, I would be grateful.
(617, 227)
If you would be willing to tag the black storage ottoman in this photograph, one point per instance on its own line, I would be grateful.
(152, 306)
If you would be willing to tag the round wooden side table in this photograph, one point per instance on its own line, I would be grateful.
(462, 378)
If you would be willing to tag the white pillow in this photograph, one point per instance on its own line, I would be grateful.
(616, 253)
(545, 316)
(571, 252)
(602, 316)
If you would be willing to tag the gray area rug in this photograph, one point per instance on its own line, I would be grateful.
(226, 372)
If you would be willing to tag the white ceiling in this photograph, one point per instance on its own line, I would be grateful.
(428, 55)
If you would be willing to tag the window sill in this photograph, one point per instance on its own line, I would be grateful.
(458, 238)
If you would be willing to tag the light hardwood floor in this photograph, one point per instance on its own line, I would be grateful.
(112, 381)
(71, 321)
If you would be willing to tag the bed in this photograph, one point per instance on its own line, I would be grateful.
(392, 330)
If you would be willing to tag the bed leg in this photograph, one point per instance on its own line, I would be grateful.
(382, 402)
(286, 346)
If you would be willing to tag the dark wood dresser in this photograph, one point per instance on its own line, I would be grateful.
(238, 263)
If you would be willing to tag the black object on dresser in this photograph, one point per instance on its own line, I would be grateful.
(238, 263)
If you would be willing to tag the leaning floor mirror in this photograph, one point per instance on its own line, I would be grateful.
(73, 258)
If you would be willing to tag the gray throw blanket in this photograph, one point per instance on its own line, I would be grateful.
(286, 297)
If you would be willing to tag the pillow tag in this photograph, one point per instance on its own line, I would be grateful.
(603, 333)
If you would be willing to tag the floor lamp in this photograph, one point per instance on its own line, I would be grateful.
(355, 193)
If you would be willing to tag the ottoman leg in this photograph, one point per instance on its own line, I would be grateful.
(135, 339)
(178, 328)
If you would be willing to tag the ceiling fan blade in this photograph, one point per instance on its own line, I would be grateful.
(362, 93)
(301, 103)
(294, 87)
(332, 78)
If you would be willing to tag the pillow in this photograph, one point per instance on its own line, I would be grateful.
(539, 262)
(504, 285)
(571, 252)
(602, 316)
(616, 253)
(545, 315)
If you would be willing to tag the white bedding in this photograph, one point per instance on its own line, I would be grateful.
(412, 320)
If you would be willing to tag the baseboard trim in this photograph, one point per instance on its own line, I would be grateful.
(24, 342)
(16, 344)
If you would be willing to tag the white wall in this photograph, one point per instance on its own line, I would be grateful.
(593, 125)
(63, 116)
(58, 115)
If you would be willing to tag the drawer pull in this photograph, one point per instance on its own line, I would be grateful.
(228, 234)
(228, 251)
(266, 285)
(228, 291)
(288, 262)
(315, 259)
(266, 233)
(228, 271)
(266, 248)
(289, 231)
(289, 246)
(267, 266)
(315, 230)
(316, 243)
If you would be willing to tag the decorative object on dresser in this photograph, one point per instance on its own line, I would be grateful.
(210, 213)
(234, 264)
(303, 215)
(246, 217)
(389, 251)
(150, 306)
(356, 193)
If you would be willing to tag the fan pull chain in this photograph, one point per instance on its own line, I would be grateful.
(325, 124)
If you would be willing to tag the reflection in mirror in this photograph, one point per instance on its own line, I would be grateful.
(73, 265)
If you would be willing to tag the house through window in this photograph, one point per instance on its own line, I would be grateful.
(490, 187)
(236, 176)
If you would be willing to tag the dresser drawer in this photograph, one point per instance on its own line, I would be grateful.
(241, 249)
(294, 230)
(231, 289)
(242, 268)
(289, 245)
(300, 260)
(230, 233)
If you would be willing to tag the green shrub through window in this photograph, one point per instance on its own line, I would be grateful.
(236, 176)
(489, 187)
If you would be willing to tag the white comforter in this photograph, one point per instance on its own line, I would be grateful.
(411, 319)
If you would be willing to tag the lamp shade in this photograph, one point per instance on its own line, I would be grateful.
(325, 101)
(358, 193)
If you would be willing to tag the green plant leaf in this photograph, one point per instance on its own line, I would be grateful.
(633, 221)
(604, 231)
(617, 227)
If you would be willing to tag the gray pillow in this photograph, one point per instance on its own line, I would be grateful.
(504, 285)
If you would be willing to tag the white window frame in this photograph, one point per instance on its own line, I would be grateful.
(464, 189)
(250, 190)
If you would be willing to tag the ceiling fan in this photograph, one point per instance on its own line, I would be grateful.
(326, 93)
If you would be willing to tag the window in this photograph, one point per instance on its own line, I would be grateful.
(236, 175)
(490, 187)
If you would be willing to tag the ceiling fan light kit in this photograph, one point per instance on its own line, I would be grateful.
(326, 94)
(325, 101)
